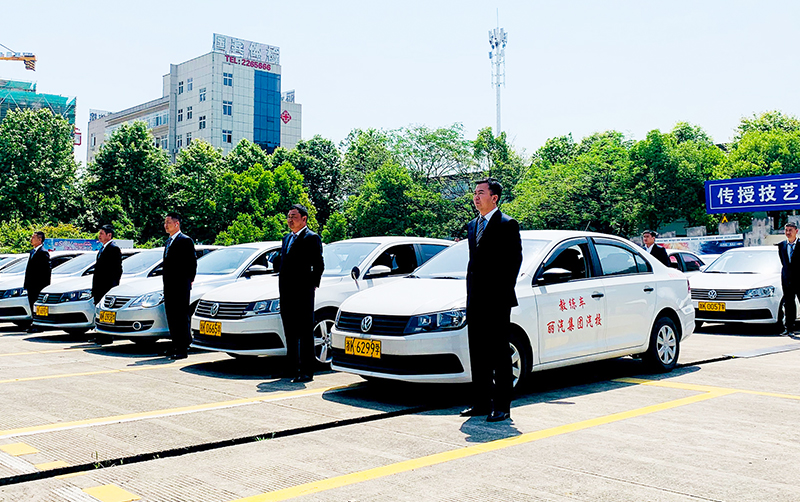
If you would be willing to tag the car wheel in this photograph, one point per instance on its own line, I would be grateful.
(662, 354)
(322, 340)
(781, 315)
(520, 360)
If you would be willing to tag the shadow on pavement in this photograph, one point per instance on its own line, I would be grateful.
(477, 430)
(739, 329)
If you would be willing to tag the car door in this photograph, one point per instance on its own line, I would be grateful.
(630, 288)
(400, 259)
(570, 314)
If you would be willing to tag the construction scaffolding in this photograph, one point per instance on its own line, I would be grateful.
(19, 95)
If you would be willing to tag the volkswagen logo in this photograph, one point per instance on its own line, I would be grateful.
(366, 323)
(214, 309)
(712, 294)
(44, 300)
(110, 301)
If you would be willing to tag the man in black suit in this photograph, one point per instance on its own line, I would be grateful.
(179, 268)
(790, 276)
(37, 272)
(300, 269)
(659, 253)
(495, 255)
(107, 271)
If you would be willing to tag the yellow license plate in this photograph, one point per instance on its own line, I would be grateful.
(107, 317)
(360, 347)
(711, 306)
(42, 310)
(210, 328)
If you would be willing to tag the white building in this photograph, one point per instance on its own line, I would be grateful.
(231, 93)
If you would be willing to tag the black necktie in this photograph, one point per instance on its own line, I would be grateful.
(481, 227)
(290, 242)
(166, 248)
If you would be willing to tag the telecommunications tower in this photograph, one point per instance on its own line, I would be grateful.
(497, 41)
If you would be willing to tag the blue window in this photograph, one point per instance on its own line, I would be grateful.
(267, 110)
(227, 107)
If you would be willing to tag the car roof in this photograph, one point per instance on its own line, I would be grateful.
(388, 239)
(564, 234)
(753, 248)
(259, 245)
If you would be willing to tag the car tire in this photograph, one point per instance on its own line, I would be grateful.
(664, 349)
(322, 339)
(23, 324)
(781, 315)
(520, 360)
(698, 325)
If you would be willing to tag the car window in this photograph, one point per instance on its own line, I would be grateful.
(20, 266)
(642, 265)
(692, 262)
(74, 265)
(430, 250)
(141, 261)
(615, 260)
(761, 261)
(266, 259)
(400, 259)
(341, 257)
(452, 262)
(674, 262)
(573, 258)
(224, 261)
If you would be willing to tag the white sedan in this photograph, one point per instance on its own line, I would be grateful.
(742, 285)
(582, 297)
(247, 322)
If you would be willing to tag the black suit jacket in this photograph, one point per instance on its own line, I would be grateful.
(660, 254)
(494, 262)
(180, 265)
(37, 273)
(107, 271)
(790, 270)
(300, 268)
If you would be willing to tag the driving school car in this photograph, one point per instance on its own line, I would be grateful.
(136, 310)
(246, 321)
(582, 297)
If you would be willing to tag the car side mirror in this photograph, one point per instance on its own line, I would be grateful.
(355, 273)
(554, 276)
(157, 272)
(377, 271)
(256, 270)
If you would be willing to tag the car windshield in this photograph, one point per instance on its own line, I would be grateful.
(16, 268)
(224, 261)
(763, 261)
(5, 261)
(76, 265)
(141, 262)
(341, 257)
(452, 262)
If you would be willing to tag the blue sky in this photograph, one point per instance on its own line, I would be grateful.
(571, 66)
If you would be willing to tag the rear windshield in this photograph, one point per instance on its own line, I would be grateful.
(76, 265)
(141, 262)
(762, 261)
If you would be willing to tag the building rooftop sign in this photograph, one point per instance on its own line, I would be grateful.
(245, 50)
(746, 195)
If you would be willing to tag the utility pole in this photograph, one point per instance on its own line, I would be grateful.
(497, 41)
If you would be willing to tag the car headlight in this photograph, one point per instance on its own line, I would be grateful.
(439, 321)
(263, 307)
(77, 296)
(149, 300)
(13, 293)
(759, 293)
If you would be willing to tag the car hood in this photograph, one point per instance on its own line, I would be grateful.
(136, 286)
(408, 296)
(258, 288)
(706, 280)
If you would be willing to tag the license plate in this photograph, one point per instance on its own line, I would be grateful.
(711, 306)
(42, 310)
(107, 317)
(361, 347)
(210, 328)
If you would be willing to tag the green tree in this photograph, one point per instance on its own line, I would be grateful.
(767, 122)
(16, 235)
(245, 155)
(497, 159)
(335, 229)
(129, 165)
(37, 167)
(364, 152)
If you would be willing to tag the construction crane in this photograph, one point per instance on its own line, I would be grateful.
(26, 57)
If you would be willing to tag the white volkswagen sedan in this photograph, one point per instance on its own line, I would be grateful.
(582, 297)
(247, 322)
(135, 310)
(742, 285)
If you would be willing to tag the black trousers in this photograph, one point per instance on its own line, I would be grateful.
(176, 306)
(489, 333)
(790, 292)
(297, 316)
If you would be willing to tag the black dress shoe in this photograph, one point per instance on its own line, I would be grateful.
(498, 416)
(475, 411)
(302, 379)
(175, 357)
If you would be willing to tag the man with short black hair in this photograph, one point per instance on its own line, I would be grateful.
(495, 255)
(37, 272)
(300, 267)
(179, 269)
(658, 252)
(108, 268)
(790, 276)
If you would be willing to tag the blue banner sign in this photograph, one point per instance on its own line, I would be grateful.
(746, 195)
(72, 245)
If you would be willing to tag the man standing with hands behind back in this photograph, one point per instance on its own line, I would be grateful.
(300, 267)
(790, 275)
(180, 266)
(659, 253)
(37, 272)
(107, 270)
(495, 255)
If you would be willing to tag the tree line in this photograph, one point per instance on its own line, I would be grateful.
(410, 181)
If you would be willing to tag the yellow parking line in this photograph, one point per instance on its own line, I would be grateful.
(18, 449)
(701, 388)
(447, 456)
(51, 351)
(99, 372)
(37, 429)
(51, 465)
(111, 493)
